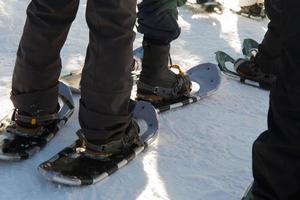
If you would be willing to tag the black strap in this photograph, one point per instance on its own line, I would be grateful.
(110, 147)
(35, 120)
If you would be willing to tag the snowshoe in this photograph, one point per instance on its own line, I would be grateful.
(256, 11)
(84, 164)
(205, 6)
(21, 136)
(245, 70)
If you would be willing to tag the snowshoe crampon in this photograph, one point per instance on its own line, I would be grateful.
(15, 146)
(72, 167)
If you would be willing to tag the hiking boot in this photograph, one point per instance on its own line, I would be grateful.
(158, 83)
(249, 69)
(105, 149)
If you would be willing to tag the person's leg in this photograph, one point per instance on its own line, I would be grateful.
(268, 56)
(276, 153)
(105, 109)
(158, 22)
(38, 63)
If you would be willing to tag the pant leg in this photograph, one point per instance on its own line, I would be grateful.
(157, 20)
(276, 153)
(38, 63)
(268, 57)
(106, 83)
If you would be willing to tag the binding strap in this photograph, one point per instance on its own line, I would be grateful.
(183, 81)
(35, 120)
(106, 149)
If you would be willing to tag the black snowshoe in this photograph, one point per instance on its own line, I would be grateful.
(85, 163)
(246, 69)
(22, 135)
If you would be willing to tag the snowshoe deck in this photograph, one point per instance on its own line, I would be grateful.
(17, 147)
(70, 167)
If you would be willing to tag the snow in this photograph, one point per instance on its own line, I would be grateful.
(203, 151)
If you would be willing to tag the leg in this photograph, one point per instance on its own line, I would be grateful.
(38, 64)
(276, 153)
(158, 22)
(270, 48)
(106, 83)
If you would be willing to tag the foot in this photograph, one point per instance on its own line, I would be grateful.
(157, 81)
(24, 124)
(111, 147)
(156, 90)
(249, 69)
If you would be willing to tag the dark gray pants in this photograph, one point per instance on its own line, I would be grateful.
(105, 107)
(276, 152)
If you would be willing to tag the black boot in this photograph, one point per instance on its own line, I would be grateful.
(107, 149)
(25, 132)
(157, 81)
(249, 69)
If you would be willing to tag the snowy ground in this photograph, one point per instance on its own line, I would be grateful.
(203, 152)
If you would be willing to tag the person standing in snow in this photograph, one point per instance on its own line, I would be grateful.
(276, 152)
(105, 112)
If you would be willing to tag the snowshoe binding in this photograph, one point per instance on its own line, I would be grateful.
(158, 83)
(22, 135)
(246, 69)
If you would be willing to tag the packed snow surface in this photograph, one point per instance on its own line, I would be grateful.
(203, 151)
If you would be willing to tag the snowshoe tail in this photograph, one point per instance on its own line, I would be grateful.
(83, 170)
(250, 47)
(20, 147)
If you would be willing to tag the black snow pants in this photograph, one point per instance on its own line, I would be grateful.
(268, 56)
(105, 106)
(276, 152)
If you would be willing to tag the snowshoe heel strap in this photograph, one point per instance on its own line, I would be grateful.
(35, 120)
(183, 82)
(107, 149)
